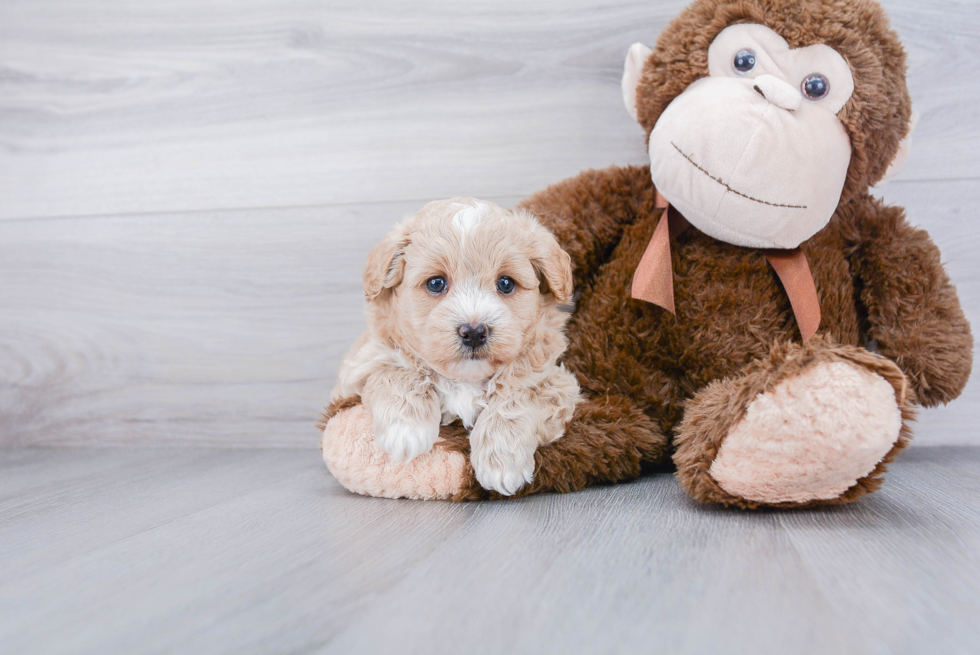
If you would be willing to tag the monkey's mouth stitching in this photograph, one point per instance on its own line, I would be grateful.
(738, 193)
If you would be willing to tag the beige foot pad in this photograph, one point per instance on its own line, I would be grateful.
(354, 458)
(811, 437)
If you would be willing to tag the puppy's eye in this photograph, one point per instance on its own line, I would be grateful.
(505, 285)
(816, 86)
(436, 285)
(744, 61)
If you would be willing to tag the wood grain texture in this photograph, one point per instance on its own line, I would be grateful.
(188, 550)
(212, 328)
(188, 189)
(120, 107)
(227, 328)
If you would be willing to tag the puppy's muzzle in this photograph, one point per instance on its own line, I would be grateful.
(474, 336)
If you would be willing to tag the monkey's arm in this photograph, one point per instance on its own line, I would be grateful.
(587, 213)
(913, 310)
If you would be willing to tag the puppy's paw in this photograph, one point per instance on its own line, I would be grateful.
(503, 471)
(404, 441)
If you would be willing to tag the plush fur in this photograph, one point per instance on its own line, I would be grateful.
(810, 437)
(665, 390)
(352, 456)
(715, 413)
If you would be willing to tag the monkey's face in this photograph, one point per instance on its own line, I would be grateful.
(757, 142)
(754, 154)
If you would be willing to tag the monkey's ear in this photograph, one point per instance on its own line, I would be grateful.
(901, 155)
(632, 68)
(386, 263)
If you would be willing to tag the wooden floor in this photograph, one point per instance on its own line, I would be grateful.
(243, 551)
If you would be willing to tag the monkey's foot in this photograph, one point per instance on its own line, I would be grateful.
(813, 425)
(360, 465)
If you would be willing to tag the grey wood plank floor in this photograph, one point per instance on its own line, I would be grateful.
(177, 550)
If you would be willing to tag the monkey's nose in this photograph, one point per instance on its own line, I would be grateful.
(778, 92)
(473, 336)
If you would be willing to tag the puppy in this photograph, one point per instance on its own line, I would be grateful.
(464, 322)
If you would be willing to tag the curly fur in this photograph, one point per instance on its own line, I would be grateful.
(412, 370)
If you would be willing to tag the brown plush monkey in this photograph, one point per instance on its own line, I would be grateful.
(767, 121)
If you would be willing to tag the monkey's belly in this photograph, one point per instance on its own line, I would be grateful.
(730, 308)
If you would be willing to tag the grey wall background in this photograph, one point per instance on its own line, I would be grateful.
(188, 189)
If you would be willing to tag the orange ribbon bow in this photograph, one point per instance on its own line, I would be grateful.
(653, 280)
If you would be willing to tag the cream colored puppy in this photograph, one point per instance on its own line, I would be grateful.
(464, 322)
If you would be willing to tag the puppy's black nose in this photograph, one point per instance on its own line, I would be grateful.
(473, 336)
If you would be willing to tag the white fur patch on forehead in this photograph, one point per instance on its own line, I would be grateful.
(470, 215)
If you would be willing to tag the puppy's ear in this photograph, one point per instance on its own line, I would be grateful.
(386, 263)
(553, 265)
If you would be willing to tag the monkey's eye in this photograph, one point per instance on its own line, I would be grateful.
(815, 86)
(505, 285)
(744, 61)
(436, 285)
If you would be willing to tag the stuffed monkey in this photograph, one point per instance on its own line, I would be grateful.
(749, 315)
